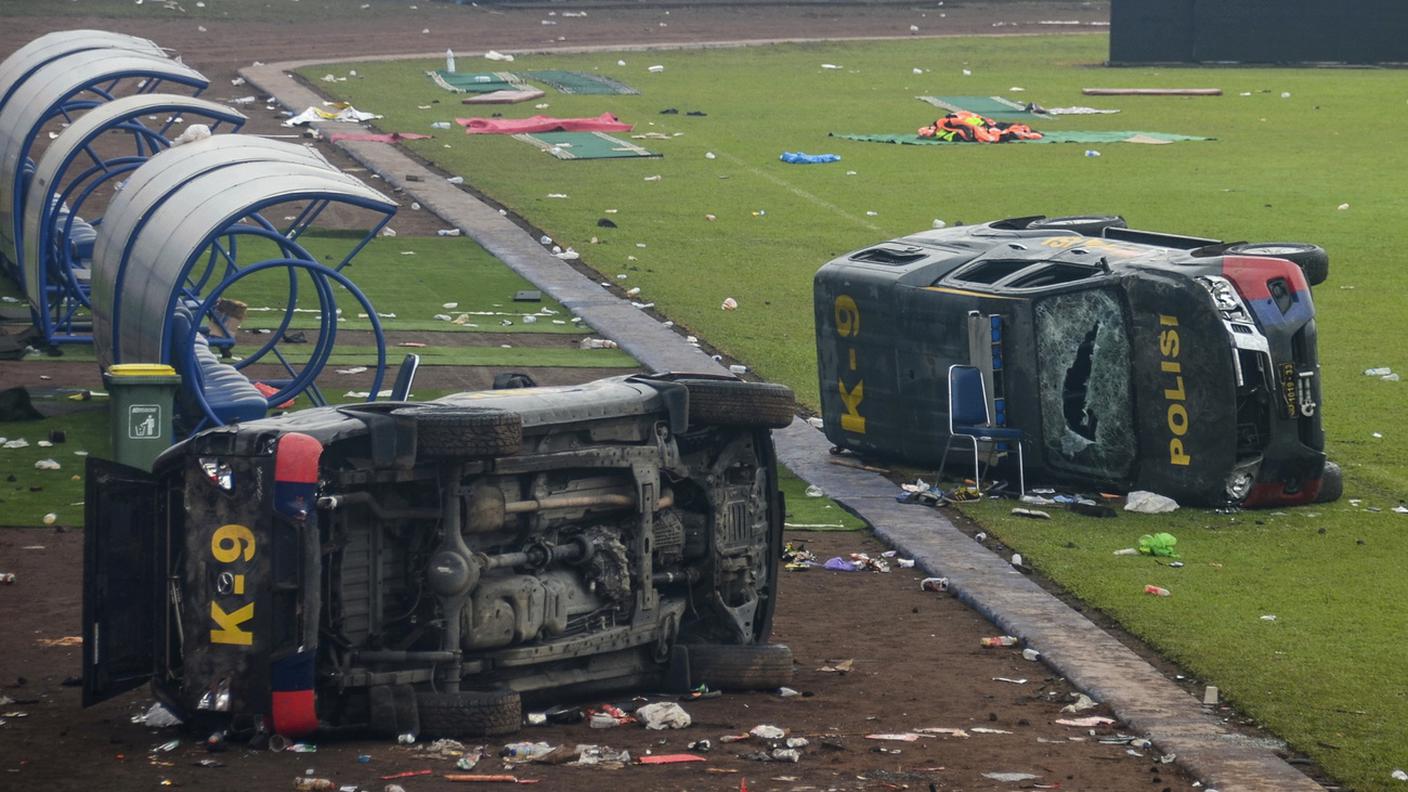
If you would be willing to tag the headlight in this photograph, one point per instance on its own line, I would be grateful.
(1239, 485)
(1224, 296)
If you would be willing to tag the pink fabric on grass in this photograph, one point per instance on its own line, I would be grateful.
(370, 137)
(606, 122)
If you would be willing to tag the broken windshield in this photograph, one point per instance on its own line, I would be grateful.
(1087, 421)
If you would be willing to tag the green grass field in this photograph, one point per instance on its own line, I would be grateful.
(1299, 144)
(34, 493)
(409, 281)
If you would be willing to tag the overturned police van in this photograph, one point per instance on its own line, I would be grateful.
(424, 567)
(1127, 359)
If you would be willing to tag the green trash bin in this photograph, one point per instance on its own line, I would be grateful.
(142, 398)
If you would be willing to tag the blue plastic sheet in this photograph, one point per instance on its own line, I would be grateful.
(802, 158)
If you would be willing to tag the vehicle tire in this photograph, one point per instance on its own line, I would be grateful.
(740, 666)
(465, 432)
(394, 711)
(1331, 483)
(1089, 225)
(470, 713)
(1312, 259)
(738, 403)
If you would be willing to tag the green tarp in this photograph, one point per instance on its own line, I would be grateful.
(569, 82)
(1048, 137)
(476, 82)
(584, 145)
(990, 106)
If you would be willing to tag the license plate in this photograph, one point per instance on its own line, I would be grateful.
(1289, 392)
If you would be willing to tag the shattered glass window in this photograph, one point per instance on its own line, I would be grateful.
(1083, 367)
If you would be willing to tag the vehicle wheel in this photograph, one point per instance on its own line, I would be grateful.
(1089, 225)
(470, 713)
(465, 432)
(394, 711)
(740, 666)
(1312, 259)
(738, 403)
(1331, 483)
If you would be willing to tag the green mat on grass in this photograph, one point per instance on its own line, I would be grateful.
(570, 82)
(1049, 137)
(982, 105)
(584, 145)
(476, 82)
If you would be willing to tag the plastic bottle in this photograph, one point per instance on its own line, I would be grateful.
(450, 61)
(1157, 591)
(999, 640)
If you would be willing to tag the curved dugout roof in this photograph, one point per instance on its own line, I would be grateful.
(51, 46)
(70, 145)
(45, 94)
(183, 227)
(147, 189)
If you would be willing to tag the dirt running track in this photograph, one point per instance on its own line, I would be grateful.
(917, 661)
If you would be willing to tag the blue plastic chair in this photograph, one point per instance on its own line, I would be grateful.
(968, 417)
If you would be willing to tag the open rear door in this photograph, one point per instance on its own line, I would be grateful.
(120, 579)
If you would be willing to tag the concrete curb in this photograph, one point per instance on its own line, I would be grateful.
(1070, 644)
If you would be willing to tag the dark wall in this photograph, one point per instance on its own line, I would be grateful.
(1258, 31)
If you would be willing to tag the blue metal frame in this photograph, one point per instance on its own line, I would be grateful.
(65, 106)
(300, 380)
(59, 303)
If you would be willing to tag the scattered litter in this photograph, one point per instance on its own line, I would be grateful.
(786, 755)
(663, 715)
(1031, 655)
(1210, 696)
(1082, 703)
(802, 158)
(597, 343)
(729, 304)
(353, 370)
(768, 732)
(495, 55)
(46, 464)
(1010, 778)
(986, 730)
(656, 69)
(1086, 722)
(67, 640)
(522, 752)
(1157, 591)
(1145, 502)
(1032, 514)
(157, 717)
(901, 737)
(670, 759)
(998, 640)
(944, 731)
(939, 584)
(448, 232)
(445, 748)
(1268, 617)
(1159, 545)
(829, 66)
(1010, 680)
(1399, 775)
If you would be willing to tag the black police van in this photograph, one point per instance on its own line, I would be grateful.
(1128, 359)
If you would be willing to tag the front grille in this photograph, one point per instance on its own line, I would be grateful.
(1255, 400)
